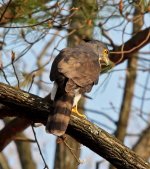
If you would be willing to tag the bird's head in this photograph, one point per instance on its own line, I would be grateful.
(104, 57)
(102, 52)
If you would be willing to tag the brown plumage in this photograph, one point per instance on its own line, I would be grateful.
(75, 71)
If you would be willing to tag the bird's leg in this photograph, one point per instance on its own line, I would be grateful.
(75, 104)
(75, 110)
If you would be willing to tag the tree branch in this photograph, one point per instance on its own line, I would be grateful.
(34, 108)
(123, 52)
(142, 146)
(9, 132)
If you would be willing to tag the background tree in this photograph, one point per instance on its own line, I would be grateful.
(32, 33)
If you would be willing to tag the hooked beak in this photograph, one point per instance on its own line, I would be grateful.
(104, 60)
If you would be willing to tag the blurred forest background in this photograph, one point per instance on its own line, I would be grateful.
(33, 32)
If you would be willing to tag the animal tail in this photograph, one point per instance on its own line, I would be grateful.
(58, 121)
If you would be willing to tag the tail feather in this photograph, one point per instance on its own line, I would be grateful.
(58, 122)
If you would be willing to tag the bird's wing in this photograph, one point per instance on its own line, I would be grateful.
(80, 65)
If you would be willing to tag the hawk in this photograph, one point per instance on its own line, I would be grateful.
(74, 72)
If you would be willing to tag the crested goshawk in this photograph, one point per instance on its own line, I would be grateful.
(74, 72)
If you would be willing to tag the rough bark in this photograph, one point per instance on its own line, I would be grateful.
(105, 145)
(83, 131)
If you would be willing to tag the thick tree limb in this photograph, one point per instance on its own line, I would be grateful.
(14, 127)
(34, 108)
(123, 52)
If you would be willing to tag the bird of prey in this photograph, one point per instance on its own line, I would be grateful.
(74, 72)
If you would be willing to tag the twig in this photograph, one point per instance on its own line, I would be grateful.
(71, 151)
(46, 166)
(134, 48)
(12, 61)
(5, 77)
(33, 76)
(5, 10)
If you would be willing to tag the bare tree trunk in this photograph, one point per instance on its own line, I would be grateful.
(129, 87)
(24, 152)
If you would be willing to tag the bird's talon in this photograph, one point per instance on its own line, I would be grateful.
(74, 110)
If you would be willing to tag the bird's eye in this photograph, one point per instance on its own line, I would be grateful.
(105, 51)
